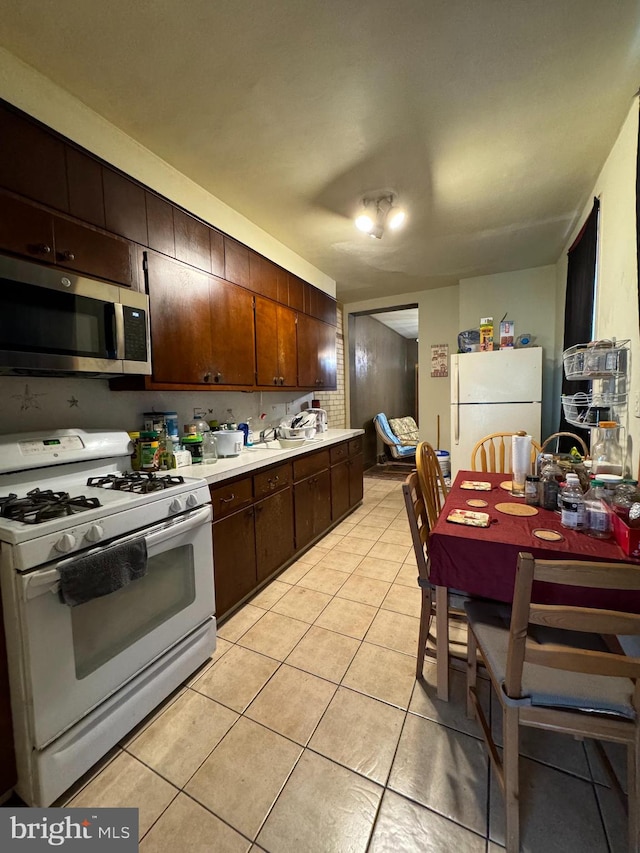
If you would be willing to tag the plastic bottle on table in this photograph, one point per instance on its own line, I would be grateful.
(572, 507)
(598, 517)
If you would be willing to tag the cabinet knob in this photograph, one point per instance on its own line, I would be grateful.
(275, 380)
(228, 500)
(207, 377)
(68, 256)
(281, 378)
(217, 377)
(43, 249)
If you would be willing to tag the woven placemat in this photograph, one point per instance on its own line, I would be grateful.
(506, 485)
(548, 535)
(516, 509)
(477, 502)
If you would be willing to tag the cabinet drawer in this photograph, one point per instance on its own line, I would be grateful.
(355, 446)
(270, 481)
(339, 453)
(311, 464)
(231, 496)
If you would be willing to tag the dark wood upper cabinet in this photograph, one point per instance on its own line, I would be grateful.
(316, 354)
(32, 161)
(296, 288)
(82, 249)
(124, 206)
(192, 240)
(181, 330)
(276, 354)
(84, 177)
(236, 262)
(160, 225)
(263, 276)
(282, 282)
(26, 229)
(216, 241)
(232, 339)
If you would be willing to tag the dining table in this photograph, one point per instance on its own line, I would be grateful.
(481, 561)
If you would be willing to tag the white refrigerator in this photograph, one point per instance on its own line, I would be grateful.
(498, 391)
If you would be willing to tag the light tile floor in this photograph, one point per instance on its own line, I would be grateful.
(308, 732)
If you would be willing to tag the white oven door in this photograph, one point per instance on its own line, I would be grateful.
(74, 657)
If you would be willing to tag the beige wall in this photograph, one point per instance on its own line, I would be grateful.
(617, 280)
(528, 297)
(29, 90)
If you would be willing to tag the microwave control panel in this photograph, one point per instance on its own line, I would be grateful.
(135, 334)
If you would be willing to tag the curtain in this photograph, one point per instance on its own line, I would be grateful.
(578, 308)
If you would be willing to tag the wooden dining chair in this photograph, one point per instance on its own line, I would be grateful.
(420, 527)
(493, 453)
(432, 482)
(550, 669)
(555, 439)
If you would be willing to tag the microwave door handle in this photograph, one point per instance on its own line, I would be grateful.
(118, 331)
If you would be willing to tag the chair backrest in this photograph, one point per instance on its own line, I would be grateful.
(432, 484)
(418, 522)
(620, 576)
(556, 438)
(493, 453)
(390, 439)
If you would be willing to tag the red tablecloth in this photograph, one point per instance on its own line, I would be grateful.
(482, 561)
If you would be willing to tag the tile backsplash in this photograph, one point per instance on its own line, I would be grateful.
(36, 403)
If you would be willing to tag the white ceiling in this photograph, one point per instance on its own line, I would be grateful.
(404, 321)
(490, 118)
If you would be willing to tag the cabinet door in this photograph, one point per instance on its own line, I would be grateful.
(192, 240)
(216, 243)
(267, 370)
(32, 161)
(86, 196)
(26, 229)
(82, 249)
(312, 502)
(181, 334)
(287, 347)
(234, 559)
(232, 334)
(274, 532)
(356, 484)
(236, 262)
(295, 292)
(125, 209)
(307, 352)
(327, 373)
(340, 489)
(160, 225)
(263, 276)
(322, 502)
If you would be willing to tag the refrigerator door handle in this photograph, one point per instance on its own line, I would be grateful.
(456, 400)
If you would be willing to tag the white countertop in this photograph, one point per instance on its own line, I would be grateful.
(251, 459)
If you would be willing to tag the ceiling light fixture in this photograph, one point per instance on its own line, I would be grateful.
(379, 212)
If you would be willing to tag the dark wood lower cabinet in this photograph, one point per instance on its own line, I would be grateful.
(274, 532)
(234, 558)
(262, 520)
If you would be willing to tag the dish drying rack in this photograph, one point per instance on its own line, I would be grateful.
(605, 364)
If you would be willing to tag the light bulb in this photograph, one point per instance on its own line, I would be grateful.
(365, 222)
(396, 218)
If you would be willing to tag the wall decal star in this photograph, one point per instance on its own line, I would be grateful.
(28, 399)
(73, 402)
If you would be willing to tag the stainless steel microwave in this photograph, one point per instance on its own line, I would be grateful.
(55, 322)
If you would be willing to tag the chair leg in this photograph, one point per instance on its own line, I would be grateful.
(442, 642)
(426, 610)
(472, 670)
(633, 782)
(511, 778)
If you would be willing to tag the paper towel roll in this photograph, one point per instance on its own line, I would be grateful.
(521, 455)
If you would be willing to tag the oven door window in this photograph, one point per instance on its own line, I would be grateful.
(105, 627)
(38, 320)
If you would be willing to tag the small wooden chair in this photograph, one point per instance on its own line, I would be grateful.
(495, 454)
(419, 525)
(551, 670)
(432, 483)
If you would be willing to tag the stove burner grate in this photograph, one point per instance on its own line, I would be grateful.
(41, 505)
(142, 482)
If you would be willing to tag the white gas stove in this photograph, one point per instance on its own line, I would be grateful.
(67, 490)
(84, 672)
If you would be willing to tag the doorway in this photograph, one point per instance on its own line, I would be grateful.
(383, 370)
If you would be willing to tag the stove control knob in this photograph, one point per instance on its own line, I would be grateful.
(176, 505)
(95, 533)
(65, 543)
(192, 501)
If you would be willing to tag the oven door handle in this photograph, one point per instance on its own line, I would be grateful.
(48, 580)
